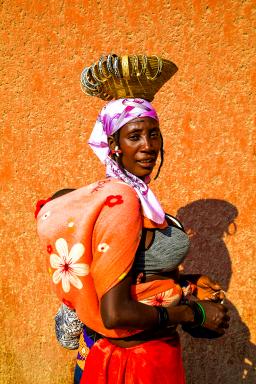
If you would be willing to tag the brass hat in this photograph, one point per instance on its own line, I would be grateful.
(115, 77)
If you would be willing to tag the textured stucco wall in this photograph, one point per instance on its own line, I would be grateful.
(207, 119)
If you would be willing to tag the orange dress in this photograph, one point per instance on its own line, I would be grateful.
(88, 250)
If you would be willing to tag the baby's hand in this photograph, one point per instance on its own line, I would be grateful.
(207, 289)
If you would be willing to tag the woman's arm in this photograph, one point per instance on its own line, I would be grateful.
(119, 310)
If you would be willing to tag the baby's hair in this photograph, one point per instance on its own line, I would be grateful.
(62, 192)
(41, 203)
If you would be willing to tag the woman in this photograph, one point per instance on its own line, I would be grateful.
(138, 331)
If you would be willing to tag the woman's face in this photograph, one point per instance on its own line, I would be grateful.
(140, 142)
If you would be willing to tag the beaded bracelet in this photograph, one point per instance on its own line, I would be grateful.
(163, 317)
(199, 313)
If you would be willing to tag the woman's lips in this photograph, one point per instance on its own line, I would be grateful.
(147, 163)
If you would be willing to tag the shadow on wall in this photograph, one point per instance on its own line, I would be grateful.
(231, 358)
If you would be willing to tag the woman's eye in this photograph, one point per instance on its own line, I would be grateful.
(134, 137)
(155, 134)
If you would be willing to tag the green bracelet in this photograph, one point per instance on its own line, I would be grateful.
(199, 313)
(202, 312)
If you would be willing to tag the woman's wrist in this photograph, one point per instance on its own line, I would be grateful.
(182, 314)
(199, 313)
(163, 317)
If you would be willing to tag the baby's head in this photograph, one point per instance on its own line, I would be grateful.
(59, 193)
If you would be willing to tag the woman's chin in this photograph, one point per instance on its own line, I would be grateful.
(141, 172)
(143, 175)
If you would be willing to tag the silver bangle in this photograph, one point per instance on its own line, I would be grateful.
(96, 78)
(110, 64)
(100, 67)
(86, 82)
(116, 68)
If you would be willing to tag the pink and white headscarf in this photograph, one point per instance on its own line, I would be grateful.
(112, 117)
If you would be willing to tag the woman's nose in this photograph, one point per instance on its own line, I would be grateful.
(147, 143)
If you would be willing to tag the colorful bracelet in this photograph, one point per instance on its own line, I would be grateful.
(163, 317)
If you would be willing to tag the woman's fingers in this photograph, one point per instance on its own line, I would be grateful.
(218, 296)
(224, 325)
(217, 318)
(225, 322)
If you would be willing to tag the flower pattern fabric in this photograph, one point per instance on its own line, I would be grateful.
(49, 249)
(103, 247)
(95, 224)
(39, 205)
(163, 299)
(67, 268)
(111, 201)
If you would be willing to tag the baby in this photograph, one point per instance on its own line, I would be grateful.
(153, 264)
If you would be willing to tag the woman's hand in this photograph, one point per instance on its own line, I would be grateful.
(217, 318)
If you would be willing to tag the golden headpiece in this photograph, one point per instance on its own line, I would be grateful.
(115, 77)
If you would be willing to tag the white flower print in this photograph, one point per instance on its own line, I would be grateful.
(163, 299)
(65, 264)
(46, 215)
(103, 247)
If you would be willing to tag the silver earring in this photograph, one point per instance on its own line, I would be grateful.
(117, 151)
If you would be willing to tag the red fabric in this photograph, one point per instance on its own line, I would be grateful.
(153, 362)
(39, 205)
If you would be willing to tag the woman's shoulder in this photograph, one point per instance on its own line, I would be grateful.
(105, 186)
(106, 191)
(114, 187)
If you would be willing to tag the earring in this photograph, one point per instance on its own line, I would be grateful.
(116, 151)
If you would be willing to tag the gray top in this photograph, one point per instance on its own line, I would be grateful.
(168, 249)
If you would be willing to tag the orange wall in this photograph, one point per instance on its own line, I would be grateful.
(207, 119)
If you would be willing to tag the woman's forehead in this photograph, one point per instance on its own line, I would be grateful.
(142, 122)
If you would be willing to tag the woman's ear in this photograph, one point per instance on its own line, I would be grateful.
(114, 150)
(111, 142)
